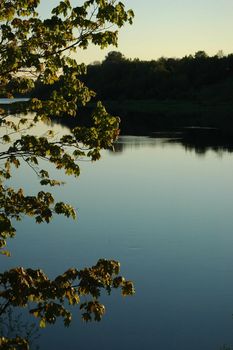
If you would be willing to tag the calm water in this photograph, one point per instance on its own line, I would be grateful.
(12, 100)
(166, 214)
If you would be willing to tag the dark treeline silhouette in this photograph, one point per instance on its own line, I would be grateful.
(166, 78)
(118, 78)
(167, 93)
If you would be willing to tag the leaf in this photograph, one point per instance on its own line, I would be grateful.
(5, 252)
(42, 323)
(6, 138)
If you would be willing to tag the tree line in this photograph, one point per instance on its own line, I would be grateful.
(167, 93)
(164, 78)
(118, 77)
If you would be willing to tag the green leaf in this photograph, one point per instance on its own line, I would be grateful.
(42, 323)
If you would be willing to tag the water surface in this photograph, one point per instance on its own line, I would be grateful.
(12, 100)
(163, 211)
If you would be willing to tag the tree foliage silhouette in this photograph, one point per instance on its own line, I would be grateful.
(32, 49)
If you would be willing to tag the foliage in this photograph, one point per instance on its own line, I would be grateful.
(114, 57)
(24, 287)
(32, 49)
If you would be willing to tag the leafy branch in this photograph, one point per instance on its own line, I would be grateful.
(34, 50)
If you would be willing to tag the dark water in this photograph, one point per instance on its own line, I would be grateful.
(165, 212)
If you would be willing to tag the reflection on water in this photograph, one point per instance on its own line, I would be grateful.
(135, 142)
(166, 215)
(13, 324)
(191, 139)
(202, 140)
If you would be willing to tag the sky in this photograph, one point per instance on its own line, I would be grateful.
(168, 28)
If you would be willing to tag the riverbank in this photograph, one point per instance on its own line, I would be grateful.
(154, 115)
(147, 117)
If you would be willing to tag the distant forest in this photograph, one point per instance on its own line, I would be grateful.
(167, 93)
(117, 78)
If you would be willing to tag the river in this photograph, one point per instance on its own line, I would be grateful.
(165, 212)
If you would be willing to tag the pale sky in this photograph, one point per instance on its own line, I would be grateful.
(169, 28)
